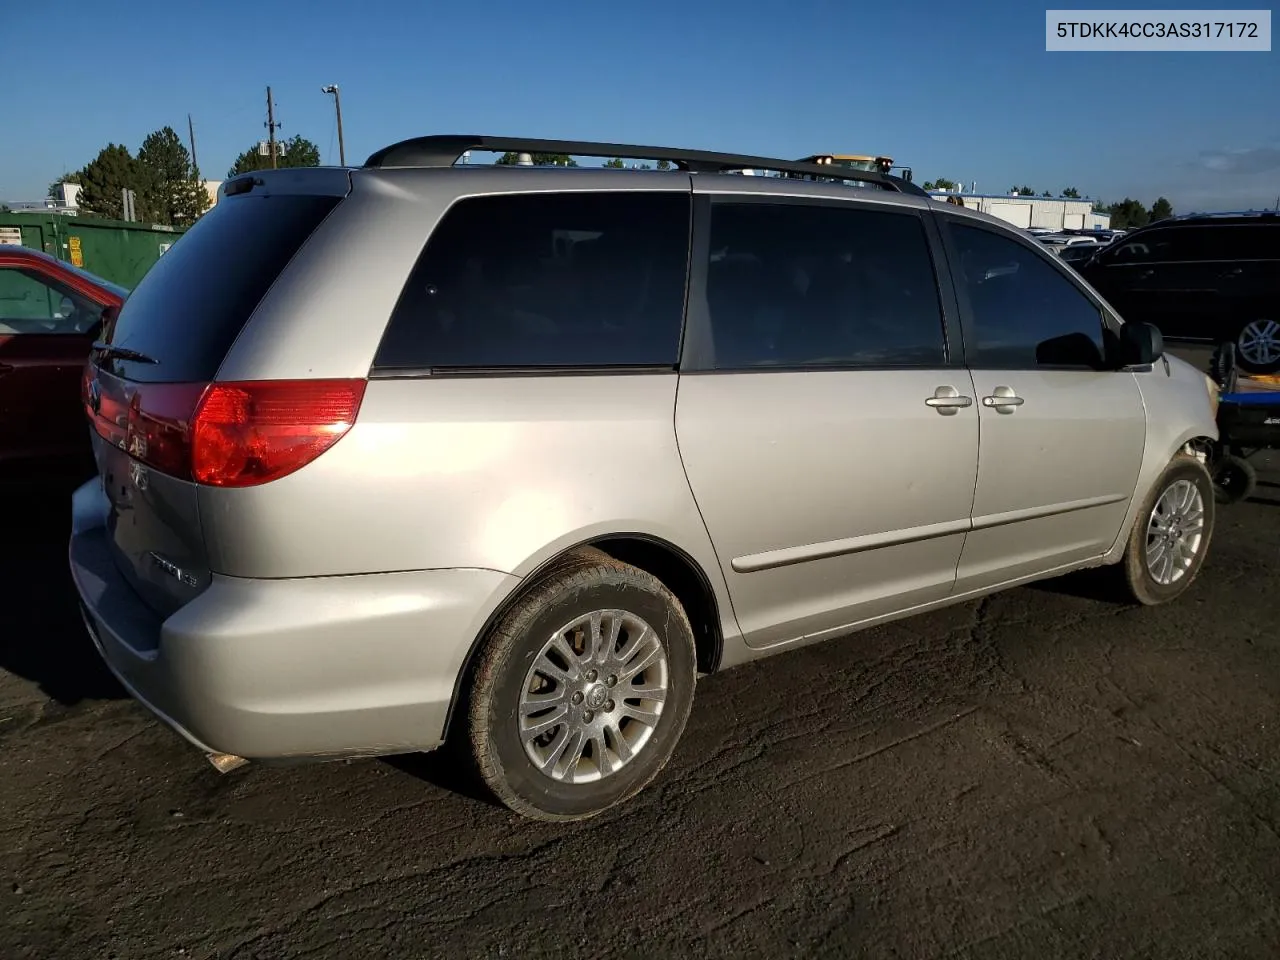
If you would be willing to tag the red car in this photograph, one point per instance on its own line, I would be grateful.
(50, 315)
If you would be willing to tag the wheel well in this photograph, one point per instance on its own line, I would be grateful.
(678, 572)
(683, 577)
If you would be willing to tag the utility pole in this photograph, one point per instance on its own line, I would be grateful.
(271, 128)
(191, 132)
(337, 105)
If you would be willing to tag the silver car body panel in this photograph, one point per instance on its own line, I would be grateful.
(830, 496)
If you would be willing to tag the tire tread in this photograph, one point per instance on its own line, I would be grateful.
(580, 569)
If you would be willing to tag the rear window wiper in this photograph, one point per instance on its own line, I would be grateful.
(123, 353)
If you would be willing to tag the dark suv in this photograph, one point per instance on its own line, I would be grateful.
(1212, 278)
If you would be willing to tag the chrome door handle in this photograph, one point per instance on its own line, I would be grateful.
(947, 400)
(1003, 400)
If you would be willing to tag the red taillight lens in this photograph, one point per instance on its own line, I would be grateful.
(250, 433)
(160, 417)
(222, 434)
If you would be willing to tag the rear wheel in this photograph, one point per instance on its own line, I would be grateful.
(1171, 534)
(582, 690)
(1258, 346)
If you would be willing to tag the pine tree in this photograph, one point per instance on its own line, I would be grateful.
(178, 198)
(106, 176)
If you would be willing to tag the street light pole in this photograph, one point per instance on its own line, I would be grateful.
(337, 106)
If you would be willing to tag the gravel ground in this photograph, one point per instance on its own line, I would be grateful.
(1042, 774)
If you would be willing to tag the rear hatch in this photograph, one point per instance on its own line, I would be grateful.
(149, 391)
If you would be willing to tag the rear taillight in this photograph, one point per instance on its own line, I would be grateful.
(250, 433)
(224, 434)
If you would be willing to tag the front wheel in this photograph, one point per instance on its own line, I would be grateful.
(582, 690)
(1258, 346)
(1171, 533)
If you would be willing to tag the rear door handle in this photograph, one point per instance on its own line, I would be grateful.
(947, 400)
(1003, 400)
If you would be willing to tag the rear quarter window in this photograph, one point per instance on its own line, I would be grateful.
(550, 280)
(190, 307)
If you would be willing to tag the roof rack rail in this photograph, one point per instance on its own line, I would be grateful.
(444, 150)
(1223, 215)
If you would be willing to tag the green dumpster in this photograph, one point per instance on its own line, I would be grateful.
(115, 250)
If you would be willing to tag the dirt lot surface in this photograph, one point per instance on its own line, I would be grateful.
(1043, 774)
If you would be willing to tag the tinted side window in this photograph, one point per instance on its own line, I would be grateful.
(1171, 245)
(1246, 242)
(1023, 312)
(31, 303)
(546, 280)
(792, 285)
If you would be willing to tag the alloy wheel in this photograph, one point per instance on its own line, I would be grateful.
(1259, 343)
(593, 696)
(1175, 532)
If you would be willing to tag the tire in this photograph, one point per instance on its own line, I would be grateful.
(1234, 479)
(1223, 367)
(1142, 584)
(1258, 346)
(518, 661)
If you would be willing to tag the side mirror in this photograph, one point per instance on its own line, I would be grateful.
(1140, 344)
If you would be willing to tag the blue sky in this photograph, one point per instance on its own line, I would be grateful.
(962, 91)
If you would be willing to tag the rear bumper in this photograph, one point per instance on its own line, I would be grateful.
(275, 669)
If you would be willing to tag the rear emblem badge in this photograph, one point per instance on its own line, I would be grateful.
(175, 571)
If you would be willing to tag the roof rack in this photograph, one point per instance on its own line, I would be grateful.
(1223, 215)
(445, 150)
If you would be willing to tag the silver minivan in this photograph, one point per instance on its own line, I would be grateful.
(509, 456)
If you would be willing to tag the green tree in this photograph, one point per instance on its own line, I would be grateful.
(5, 208)
(510, 158)
(615, 163)
(664, 164)
(1071, 193)
(1162, 209)
(297, 151)
(105, 177)
(1127, 214)
(1023, 191)
(1046, 194)
(942, 183)
(178, 197)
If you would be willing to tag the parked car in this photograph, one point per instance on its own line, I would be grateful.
(1075, 253)
(1057, 240)
(1206, 278)
(555, 443)
(50, 313)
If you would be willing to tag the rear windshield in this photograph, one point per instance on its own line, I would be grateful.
(191, 306)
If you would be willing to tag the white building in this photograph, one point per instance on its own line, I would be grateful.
(1027, 211)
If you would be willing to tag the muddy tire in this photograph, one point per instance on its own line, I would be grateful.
(582, 689)
(1171, 534)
